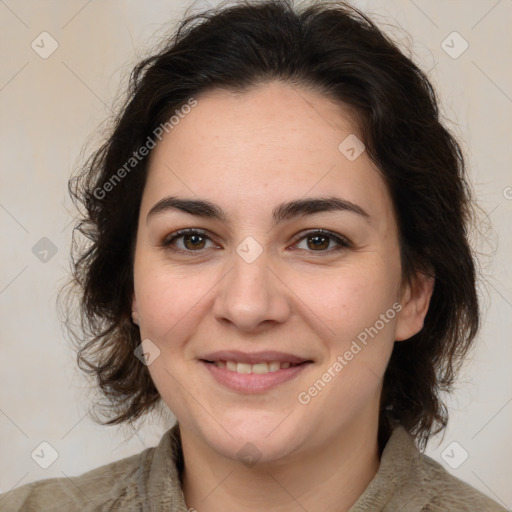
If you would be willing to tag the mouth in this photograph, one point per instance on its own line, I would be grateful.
(253, 372)
(259, 368)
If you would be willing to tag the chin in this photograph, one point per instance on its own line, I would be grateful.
(253, 438)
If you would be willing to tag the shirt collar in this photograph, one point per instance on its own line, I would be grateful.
(396, 483)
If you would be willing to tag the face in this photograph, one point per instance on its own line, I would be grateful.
(263, 328)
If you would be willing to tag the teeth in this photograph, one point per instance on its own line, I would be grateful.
(259, 368)
(274, 366)
(263, 367)
(243, 368)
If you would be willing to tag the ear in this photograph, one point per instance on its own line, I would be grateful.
(415, 300)
(135, 310)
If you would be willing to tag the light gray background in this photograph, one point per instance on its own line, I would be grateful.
(51, 107)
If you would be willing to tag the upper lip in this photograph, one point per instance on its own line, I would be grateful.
(253, 357)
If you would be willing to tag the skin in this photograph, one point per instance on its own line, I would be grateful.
(249, 152)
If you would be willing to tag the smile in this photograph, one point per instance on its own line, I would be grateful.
(253, 378)
(259, 368)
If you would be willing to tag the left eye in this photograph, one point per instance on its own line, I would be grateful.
(321, 239)
(194, 241)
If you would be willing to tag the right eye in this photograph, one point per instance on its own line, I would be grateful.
(193, 241)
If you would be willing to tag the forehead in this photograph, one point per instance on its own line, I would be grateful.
(273, 143)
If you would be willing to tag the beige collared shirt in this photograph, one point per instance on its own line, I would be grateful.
(406, 481)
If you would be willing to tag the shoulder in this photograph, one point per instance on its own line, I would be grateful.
(426, 486)
(449, 493)
(100, 489)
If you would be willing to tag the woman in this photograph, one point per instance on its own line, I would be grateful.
(279, 254)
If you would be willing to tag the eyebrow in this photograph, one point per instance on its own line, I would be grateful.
(285, 211)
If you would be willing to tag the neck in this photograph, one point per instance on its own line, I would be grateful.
(330, 477)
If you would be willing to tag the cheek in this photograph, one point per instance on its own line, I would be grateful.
(360, 310)
(349, 298)
(359, 306)
(170, 300)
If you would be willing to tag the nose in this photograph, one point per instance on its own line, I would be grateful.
(251, 296)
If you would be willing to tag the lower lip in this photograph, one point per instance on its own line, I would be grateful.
(253, 382)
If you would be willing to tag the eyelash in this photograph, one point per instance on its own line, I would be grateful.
(167, 242)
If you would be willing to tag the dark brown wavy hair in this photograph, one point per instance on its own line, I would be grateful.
(338, 51)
